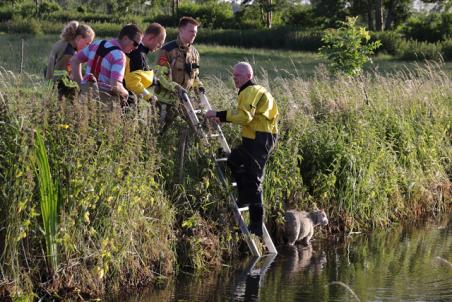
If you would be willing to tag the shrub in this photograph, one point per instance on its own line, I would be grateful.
(211, 15)
(302, 16)
(447, 50)
(348, 47)
(20, 25)
(431, 28)
(6, 13)
(390, 41)
(415, 50)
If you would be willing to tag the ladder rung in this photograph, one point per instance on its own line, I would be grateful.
(244, 209)
(221, 159)
(197, 111)
(214, 135)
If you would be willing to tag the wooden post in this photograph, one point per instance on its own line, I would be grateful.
(22, 57)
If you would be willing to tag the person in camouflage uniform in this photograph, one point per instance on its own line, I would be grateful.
(182, 59)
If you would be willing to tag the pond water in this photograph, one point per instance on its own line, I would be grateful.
(411, 263)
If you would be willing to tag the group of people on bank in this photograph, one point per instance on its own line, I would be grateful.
(122, 76)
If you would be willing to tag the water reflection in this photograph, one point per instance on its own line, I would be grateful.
(249, 282)
(396, 264)
(297, 258)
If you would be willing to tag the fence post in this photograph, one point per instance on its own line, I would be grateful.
(22, 57)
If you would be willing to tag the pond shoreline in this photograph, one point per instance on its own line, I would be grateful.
(369, 159)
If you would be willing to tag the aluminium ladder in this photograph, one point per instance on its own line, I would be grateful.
(195, 123)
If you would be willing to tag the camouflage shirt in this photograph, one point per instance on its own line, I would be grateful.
(183, 62)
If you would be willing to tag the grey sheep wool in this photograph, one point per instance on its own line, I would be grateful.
(299, 225)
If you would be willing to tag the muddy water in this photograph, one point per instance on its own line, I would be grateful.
(398, 264)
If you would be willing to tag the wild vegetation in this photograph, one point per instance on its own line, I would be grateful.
(92, 201)
(372, 151)
(405, 33)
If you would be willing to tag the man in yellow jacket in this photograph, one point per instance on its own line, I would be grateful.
(257, 113)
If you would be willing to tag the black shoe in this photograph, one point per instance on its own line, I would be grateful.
(256, 230)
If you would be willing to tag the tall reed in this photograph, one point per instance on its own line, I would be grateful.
(48, 197)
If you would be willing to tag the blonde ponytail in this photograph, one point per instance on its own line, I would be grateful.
(74, 29)
(69, 31)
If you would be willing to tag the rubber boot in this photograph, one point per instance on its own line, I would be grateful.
(256, 219)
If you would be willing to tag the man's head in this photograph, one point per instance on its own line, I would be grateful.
(154, 36)
(188, 28)
(130, 37)
(242, 73)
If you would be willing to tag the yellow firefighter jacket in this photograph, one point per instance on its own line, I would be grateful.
(256, 111)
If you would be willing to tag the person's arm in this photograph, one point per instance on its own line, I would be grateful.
(197, 84)
(76, 64)
(76, 72)
(163, 58)
(240, 116)
(50, 65)
(118, 68)
(118, 88)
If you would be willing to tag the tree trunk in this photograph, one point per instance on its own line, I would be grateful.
(379, 15)
(370, 19)
(174, 6)
(269, 14)
(391, 15)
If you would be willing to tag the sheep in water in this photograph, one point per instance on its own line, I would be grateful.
(300, 225)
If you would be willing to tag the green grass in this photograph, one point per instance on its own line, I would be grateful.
(215, 60)
(372, 151)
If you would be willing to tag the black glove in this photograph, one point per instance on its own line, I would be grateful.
(202, 90)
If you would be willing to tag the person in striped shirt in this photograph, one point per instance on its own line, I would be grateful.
(106, 61)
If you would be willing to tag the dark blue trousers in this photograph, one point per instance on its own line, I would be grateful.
(247, 163)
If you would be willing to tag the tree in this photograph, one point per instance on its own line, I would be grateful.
(174, 6)
(381, 14)
(397, 12)
(336, 10)
(266, 7)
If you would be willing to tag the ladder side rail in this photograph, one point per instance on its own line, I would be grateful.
(206, 105)
(268, 240)
(193, 118)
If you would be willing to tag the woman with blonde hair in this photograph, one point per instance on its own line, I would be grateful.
(74, 37)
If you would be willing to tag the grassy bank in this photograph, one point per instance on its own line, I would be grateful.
(215, 60)
(372, 151)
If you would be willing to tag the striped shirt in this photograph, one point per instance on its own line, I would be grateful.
(112, 67)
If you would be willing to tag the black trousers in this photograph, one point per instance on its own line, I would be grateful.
(247, 164)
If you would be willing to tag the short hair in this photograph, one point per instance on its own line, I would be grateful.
(245, 66)
(154, 29)
(130, 31)
(185, 20)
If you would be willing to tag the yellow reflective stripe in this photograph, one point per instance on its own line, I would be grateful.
(60, 72)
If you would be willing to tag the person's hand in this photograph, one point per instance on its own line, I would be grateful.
(202, 90)
(212, 116)
(180, 91)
